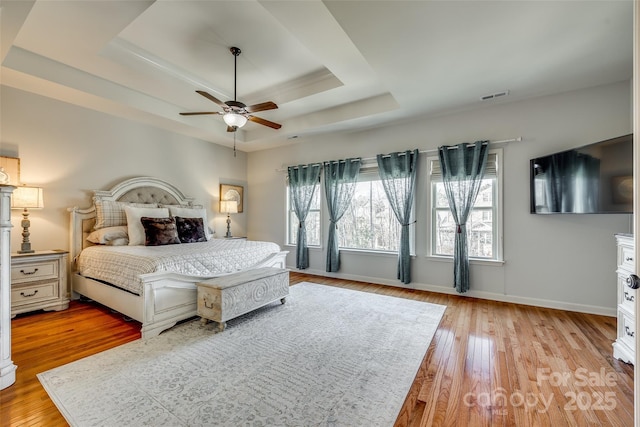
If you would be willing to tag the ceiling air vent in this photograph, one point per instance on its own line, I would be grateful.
(494, 95)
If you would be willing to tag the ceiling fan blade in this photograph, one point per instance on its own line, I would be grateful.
(211, 98)
(261, 107)
(264, 122)
(200, 112)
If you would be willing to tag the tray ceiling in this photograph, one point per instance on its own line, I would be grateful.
(329, 65)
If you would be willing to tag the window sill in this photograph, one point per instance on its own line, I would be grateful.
(311, 248)
(370, 252)
(356, 251)
(473, 261)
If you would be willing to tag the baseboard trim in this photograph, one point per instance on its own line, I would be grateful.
(514, 299)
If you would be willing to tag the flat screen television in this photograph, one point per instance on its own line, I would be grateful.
(595, 178)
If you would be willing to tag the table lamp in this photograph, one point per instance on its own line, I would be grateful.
(228, 207)
(25, 198)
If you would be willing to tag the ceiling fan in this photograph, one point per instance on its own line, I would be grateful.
(235, 113)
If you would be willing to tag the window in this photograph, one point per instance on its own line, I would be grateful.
(312, 222)
(369, 223)
(484, 226)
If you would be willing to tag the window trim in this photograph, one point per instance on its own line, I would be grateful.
(497, 210)
(493, 209)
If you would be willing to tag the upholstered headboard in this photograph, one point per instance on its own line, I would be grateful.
(137, 190)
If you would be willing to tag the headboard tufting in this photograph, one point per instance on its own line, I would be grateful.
(144, 189)
(138, 190)
(149, 195)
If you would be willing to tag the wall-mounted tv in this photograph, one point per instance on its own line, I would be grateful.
(595, 178)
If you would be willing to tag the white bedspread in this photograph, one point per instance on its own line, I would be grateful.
(122, 265)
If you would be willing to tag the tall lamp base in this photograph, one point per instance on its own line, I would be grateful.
(26, 249)
(228, 235)
(26, 244)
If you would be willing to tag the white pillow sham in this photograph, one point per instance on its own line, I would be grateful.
(135, 229)
(113, 236)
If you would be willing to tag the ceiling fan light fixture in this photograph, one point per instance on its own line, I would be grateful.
(235, 120)
(235, 113)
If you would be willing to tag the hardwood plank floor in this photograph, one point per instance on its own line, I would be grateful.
(489, 364)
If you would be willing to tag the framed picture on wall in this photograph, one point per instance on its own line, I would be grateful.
(232, 192)
(9, 170)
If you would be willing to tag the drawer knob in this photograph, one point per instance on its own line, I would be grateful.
(630, 333)
(28, 295)
(633, 281)
(29, 273)
(628, 297)
(628, 258)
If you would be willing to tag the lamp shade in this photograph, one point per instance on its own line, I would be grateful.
(228, 206)
(235, 120)
(25, 197)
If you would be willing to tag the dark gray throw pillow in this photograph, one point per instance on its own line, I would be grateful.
(159, 231)
(190, 230)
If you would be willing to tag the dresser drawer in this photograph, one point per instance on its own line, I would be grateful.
(34, 271)
(626, 295)
(626, 258)
(27, 294)
(627, 329)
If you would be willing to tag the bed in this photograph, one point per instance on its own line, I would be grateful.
(161, 292)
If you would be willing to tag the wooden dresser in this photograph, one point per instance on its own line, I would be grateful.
(39, 281)
(625, 344)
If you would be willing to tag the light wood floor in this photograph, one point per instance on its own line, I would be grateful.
(489, 364)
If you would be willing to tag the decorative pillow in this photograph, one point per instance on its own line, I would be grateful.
(111, 214)
(135, 230)
(188, 212)
(109, 235)
(123, 241)
(190, 230)
(159, 231)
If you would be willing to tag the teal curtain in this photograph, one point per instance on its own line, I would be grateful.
(303, 180)
(340, 178)
(398, 174)
(463, 167)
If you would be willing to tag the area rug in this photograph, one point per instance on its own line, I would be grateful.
(328, 357)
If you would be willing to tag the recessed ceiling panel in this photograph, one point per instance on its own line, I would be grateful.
(197, 35)
(331, 66)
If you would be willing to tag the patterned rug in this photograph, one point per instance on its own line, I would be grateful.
(328, 357)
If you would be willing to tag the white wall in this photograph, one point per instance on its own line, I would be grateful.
(70, 151)
(564, 261)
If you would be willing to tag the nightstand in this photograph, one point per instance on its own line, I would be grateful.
(39, 281)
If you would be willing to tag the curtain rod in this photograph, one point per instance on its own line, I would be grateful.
(433, 150)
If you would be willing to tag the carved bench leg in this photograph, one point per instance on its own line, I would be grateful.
(204, 320)
(221, 326)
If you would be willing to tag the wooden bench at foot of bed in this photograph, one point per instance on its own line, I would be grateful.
(227, 297)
